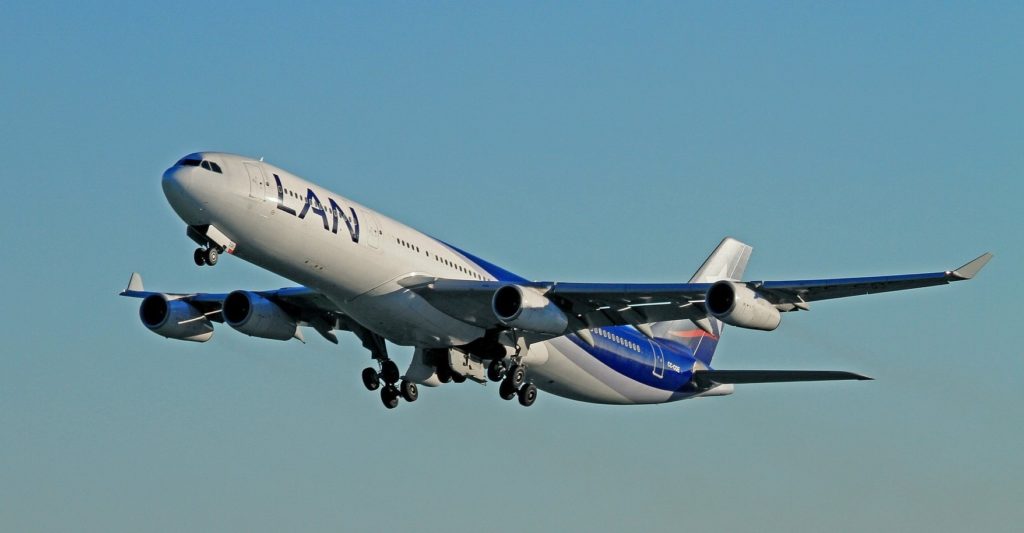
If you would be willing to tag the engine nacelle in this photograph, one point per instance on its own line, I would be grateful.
(174, 319)
(257, 316)
(738, 305)
(526, 309)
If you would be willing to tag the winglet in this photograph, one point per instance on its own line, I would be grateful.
(135, 283)
(969, 270)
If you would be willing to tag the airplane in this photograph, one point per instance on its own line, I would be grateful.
(466, 318)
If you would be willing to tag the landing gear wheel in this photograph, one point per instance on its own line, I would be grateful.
(212, 255)
(527, 395)
(409, 391)
(496, 370)
(506, 390)
(389, 395)
(516, 376)
(371, 379)
(199, 256)
(458, 378)
(389, 372)
(444, 374)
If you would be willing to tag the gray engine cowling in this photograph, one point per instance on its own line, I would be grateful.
(526, 309)
(257, 316)
(174, 319)
(738, 305)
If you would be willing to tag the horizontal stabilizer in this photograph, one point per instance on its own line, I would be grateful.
(708, 378)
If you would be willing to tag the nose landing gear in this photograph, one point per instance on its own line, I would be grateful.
(212, 242)
(207, 256)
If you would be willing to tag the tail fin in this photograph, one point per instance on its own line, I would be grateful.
(728, 261)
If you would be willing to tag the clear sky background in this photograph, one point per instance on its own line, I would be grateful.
(572, 141)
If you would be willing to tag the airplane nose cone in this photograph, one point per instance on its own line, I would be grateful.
(179, 188)
(174, 183)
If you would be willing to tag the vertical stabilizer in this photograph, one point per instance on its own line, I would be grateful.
(728, 261)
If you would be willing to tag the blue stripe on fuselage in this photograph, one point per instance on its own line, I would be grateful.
(499, 273)
(641, 366)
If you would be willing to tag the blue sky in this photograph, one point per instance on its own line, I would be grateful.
(569, 141)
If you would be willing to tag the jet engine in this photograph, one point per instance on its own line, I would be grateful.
(738, 305)
(526, 309)
(257, 316)
(174, 319)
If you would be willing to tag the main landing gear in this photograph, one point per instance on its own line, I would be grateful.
(513, 381)
(389, 376)
(206, 256)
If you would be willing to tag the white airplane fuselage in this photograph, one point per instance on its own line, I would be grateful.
(356, 257)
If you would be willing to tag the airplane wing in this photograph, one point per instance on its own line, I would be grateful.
(592, 305)
(824, 289)
(596, 304)
(309, 307)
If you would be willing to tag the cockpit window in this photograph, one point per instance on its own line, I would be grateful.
(192, 161)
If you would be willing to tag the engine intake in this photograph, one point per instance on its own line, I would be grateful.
(174, 319)
(738, 305)
(257, 316)
(526, 309)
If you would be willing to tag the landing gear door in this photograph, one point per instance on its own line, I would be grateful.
(256, 181)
